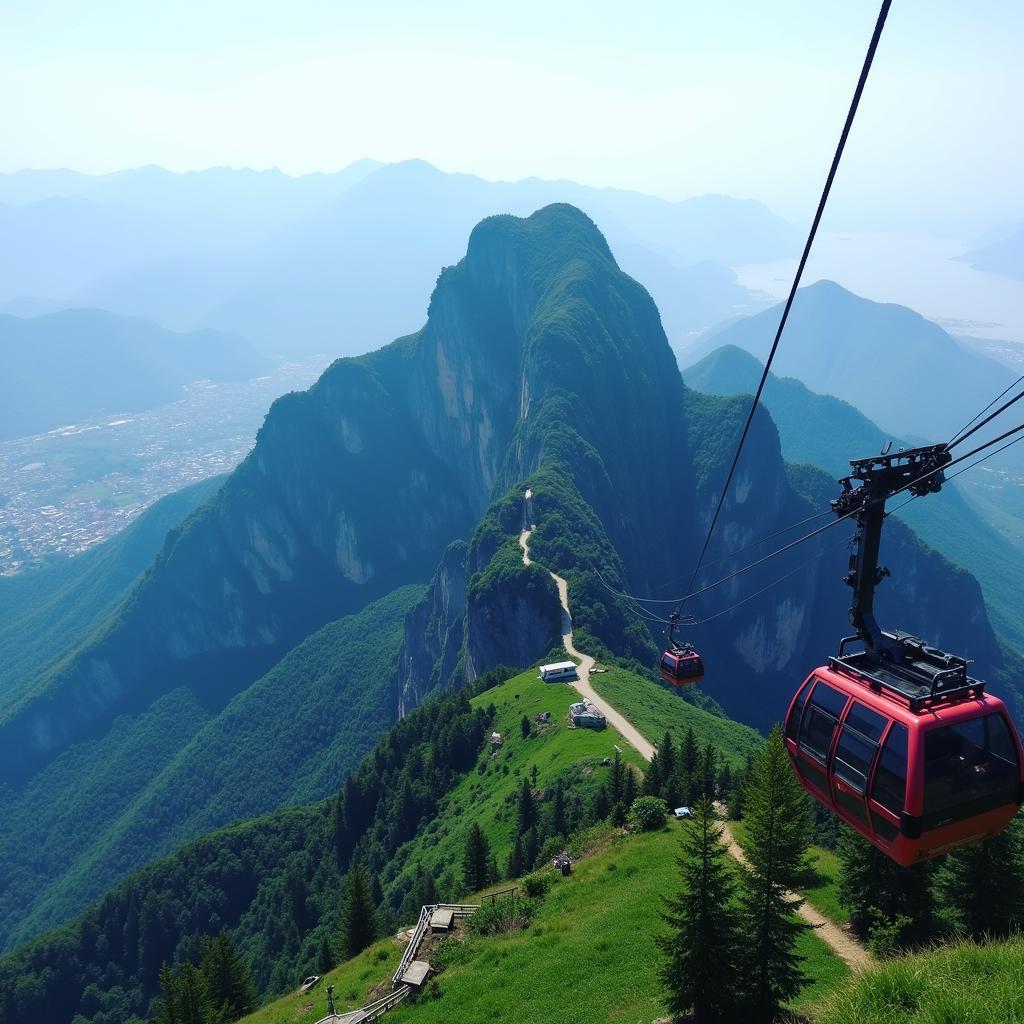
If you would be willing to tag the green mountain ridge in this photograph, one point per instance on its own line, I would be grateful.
(541, 365)
(45, 611)
(288, 739)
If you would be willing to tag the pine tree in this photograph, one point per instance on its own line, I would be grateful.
(702, 948)
(339, 829)
(629, 789)
(708, 770)
(689, 754)
(981, 888)
(879, 894)
(476, 860)
(602, 806)
(229, 983)
(325, 956)
(516, 858)
(531, 848)
(558, 810)
(653, 779)
(167, 1005)
(358, 915)
(667, 757)
(524, 727)
(778, 830)
(526, 814)
(616, 779)
(192, 999)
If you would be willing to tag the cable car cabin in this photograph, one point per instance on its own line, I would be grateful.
(681, 666)
(917, 777)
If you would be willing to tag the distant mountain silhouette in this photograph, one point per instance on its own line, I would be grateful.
(342, 263)
(1003, 256)
(84, 362)
(902, 371)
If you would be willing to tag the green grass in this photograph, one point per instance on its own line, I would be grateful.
(822, 889)
(354, 982)
(823, 893)
(964, 983)
(653, 709)
(589, 955)
(487, 797)
(599, 923)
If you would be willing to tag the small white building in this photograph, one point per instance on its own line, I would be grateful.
(558, 672)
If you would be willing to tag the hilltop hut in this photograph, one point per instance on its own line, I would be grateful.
(585, 715)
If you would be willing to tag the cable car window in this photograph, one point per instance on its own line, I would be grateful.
(793, 722)
(1000, 741)
(853, 758)
(832, 701)
(867, 722)
(963, 774)
(890, 788)
(820, 720)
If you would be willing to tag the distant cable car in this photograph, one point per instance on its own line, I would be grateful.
(897, 739)
(681, 665)
(916, 774)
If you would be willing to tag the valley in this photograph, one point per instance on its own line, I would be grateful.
(65, 491)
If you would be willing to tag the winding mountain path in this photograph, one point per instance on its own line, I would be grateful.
(626, 729)
(851, 952)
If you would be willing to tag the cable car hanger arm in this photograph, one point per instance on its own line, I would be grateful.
(880, 477)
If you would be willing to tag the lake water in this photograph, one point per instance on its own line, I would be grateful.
(913, 270)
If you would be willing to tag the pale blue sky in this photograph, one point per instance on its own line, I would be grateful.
(676, 98)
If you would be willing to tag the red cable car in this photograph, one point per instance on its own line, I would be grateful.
(681, 665)
(916, 775)
(897, 739)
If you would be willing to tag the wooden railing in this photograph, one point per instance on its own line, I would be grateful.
(381, 1006)
(414, 944)
(492, 896)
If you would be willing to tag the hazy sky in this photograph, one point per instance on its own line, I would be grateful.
(676, 98)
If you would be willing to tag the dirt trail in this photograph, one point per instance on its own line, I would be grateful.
(626, 729)
(851, 952)
(844, 945)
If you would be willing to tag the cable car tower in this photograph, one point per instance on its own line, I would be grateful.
(896, 662)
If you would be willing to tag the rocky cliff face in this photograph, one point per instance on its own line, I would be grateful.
(431, 656)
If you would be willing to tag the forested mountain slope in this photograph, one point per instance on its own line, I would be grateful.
(541, 365)
(277, 882)
(827, 432)
(176, 771)
(46, 611)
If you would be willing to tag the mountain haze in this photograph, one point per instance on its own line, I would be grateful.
(902, 371)
(338, 262)
(84, 362)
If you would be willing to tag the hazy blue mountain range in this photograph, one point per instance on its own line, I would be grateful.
(541, 365)
(902, 371)
(343, 262)
(827, 432)
(85, 362)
